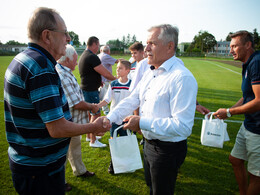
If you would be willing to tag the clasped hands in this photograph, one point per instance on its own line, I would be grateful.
(130, 122)
(102, 124)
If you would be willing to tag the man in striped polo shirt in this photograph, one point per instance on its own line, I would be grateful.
(37, 118)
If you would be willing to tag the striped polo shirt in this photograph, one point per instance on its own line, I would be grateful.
(33, 96)
(116, 92)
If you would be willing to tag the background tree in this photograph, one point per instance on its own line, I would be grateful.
(13, 42)
(256, 38)
(74, 38)
(228, 38)
(204, 42)
(115, 44)
(133, 39)
(128, 40)
(124, 42)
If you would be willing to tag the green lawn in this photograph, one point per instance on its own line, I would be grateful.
(206, 170)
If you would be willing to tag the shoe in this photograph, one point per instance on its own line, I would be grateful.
(67, 187)
(142, 142)
(111, 168)
(87, 174)
(97, 144)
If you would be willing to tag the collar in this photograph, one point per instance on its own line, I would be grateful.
(65, 68)
(250, 58)
(42, 51)
(90, 51)
(167, 65)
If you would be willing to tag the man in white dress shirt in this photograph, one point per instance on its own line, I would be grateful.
(167, 100)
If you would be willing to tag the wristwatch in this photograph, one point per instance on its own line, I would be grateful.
(228, 113)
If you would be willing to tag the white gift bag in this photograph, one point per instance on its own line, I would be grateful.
(213, 132)
(125, 153)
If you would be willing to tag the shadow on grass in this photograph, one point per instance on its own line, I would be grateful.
(214, 96)
(207, 170)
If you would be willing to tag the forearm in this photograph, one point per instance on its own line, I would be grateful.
(125, 108)
(83, 106)
(249, 107)
(103, 103)
(239, 103)
(109, 76)
(64, 128)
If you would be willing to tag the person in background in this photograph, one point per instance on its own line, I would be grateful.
(247, 145)
(78, 109)
(117, 91)
(137, 52)
(91, 69)
(37, 117)
(167, 100)
(107, 61)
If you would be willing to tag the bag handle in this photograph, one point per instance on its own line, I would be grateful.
(115, 131)
(211, 114)
(210, 119)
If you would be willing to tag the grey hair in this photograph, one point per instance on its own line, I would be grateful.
(105, 48)
(70, 51)
(168, 33)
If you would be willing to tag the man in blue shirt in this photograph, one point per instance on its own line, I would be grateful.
(247, 146)
(37, 118)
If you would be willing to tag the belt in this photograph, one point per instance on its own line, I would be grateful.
(157, 142)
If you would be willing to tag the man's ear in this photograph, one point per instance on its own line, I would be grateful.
(46, 36)
(248, 45)
(171, 45)
(67, 60)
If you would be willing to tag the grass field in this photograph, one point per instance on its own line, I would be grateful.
(206, 170)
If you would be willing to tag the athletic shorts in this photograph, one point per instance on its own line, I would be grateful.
(247, 147)
(92, 97)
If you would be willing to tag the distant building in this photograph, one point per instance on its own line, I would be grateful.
(80, 49)
(222, 48)
(182, 45)
(13, 48)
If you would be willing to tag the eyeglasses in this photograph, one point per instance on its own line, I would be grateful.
(66, 33)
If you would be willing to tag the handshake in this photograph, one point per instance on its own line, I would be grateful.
(102, 124)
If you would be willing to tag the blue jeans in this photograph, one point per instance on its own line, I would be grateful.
(91, 97)
(42, 184)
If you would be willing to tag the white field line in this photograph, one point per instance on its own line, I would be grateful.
(224, 67)
(231, 121)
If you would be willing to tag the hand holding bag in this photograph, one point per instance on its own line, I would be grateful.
(213, 132)
(125, 152)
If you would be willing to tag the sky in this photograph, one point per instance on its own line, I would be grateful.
(113, 19)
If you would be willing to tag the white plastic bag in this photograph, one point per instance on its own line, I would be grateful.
(125, 153)
(213, 132)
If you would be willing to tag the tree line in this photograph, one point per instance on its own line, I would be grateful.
(203, 42)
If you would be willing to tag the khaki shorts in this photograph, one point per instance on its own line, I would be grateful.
(247, 147)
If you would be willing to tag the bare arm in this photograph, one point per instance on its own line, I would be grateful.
(104, 72)
(239, 103)
(240, 108)
(103, 103)
(63, 128)
(86, 106)
(249, 107)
